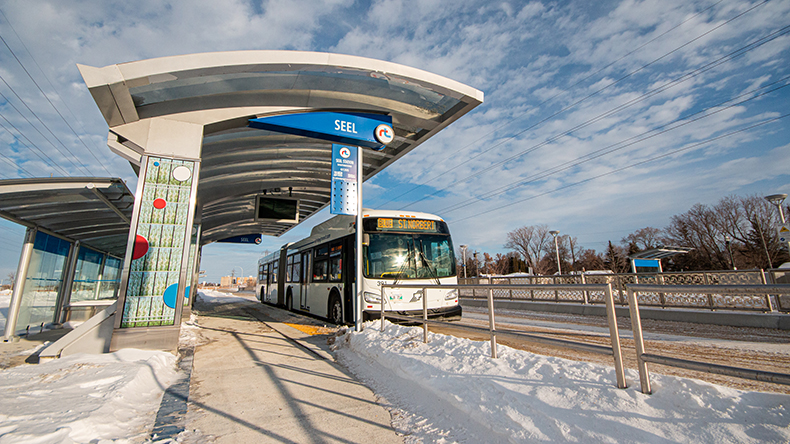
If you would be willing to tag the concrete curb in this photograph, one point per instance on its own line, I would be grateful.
(732, 318)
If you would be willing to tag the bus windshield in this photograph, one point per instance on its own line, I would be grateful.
(409, 256)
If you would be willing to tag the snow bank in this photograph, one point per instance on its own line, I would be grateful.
(84, 398)
(450, 390)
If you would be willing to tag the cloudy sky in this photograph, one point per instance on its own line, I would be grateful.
(600, 118)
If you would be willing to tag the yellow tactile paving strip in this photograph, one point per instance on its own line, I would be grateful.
(312, 330)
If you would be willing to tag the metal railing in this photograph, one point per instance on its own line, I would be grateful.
(642, 358)
(606, 289)
(710, 300)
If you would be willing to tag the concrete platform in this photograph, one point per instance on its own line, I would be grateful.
(260, 377)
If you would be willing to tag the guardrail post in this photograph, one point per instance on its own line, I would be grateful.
(556, 291)
(491, 325)
(424, 315)
(706, 281)
(614, 334)
(768, 302)
(382, 308)
(584, 293)
(639, 343)
(510, 282)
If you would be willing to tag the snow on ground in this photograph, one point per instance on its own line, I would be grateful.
(84, 398)
(450, 390)
(446, 391)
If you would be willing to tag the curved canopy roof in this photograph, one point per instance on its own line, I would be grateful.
(222, 91)
(93, 210)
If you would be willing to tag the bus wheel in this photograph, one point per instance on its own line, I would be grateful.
(335, 310)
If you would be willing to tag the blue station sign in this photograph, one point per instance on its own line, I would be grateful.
(367, 130)
(247, 239)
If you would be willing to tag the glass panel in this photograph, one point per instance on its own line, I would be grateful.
(319, 271)
(111, 278)
(335, 269)
(43, 283)
(409, 256)
(86, 275)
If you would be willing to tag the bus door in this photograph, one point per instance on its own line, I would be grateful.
(304, 279)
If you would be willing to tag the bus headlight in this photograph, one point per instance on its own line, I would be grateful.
(452, 294)
(372, 297)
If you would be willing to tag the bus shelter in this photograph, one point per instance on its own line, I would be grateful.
(70, 266)
(205, 175)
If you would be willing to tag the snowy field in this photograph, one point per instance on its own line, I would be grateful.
(444, 392)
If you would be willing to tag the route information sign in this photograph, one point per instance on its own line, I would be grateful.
(344, 180)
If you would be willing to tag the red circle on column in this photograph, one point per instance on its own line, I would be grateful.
(140, 247)
(160, 203)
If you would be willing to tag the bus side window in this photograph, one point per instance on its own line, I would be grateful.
(319, 271)
(296, 271)
(289, 268)
(275, 267)
(305, 268)
(336, 263)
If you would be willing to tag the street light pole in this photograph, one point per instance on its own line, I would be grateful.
(557, 249)
(463, 253)
(729, 249)
(777, 200)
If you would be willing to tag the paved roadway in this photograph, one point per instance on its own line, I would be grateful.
(756, 348)
(259, 377)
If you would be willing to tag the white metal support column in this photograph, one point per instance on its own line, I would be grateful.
(19, 284)
(360, 264)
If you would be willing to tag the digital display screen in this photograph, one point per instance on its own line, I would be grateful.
(278, 209)
(411, 225)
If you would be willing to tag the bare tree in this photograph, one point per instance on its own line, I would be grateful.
(531, 243)
(644, 239)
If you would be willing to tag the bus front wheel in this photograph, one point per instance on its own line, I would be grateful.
(335, 309)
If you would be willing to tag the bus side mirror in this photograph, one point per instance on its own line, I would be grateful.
(365, 239)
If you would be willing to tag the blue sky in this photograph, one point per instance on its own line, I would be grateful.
(600, 118)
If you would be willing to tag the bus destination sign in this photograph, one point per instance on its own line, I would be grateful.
(390, 224)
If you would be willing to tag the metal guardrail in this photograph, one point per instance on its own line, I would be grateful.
(614, 351)
(643, 358)
(699, 296)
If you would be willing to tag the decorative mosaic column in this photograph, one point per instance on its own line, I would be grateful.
(160, 270)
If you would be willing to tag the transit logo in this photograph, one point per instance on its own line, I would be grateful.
(345, 152)
(384, 133)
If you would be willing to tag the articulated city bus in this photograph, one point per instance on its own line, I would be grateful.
(316, 275)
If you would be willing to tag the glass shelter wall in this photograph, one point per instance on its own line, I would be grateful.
(43, 283)
(96, 276)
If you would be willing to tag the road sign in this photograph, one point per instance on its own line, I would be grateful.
(784, 233)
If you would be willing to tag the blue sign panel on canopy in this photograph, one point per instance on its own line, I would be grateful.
(248, 239)
(367, 130)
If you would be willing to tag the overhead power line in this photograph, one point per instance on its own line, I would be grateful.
(657, 131)
(46, 96)
(35, 128)
(678, 80)
(38, 152)
(572, 105)
(618, 170)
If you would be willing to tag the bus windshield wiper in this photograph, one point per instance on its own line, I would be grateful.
(427, 264)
